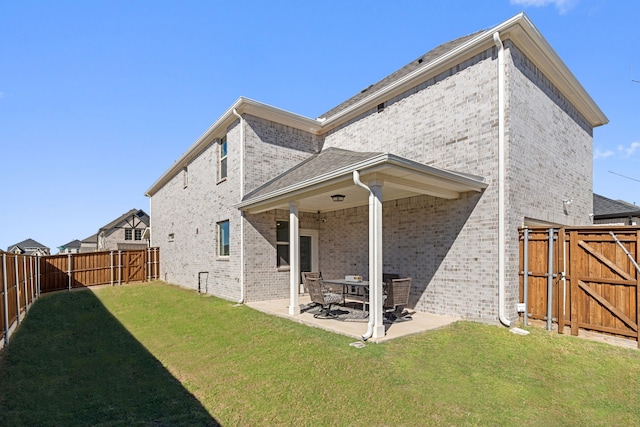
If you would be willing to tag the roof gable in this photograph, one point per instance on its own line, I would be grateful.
(132, 219)
(422, 61)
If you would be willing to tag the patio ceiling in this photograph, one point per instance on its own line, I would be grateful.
(312, 183)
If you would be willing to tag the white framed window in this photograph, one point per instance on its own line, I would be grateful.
(128, 234)
(171, 237)
(137, 234)
(282, 244)
(222, 156)
(223, 238)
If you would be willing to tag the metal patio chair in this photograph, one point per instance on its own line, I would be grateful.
(309, 274)
(397, 297)
(323, 297)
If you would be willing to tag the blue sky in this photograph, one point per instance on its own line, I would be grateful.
(99, 98)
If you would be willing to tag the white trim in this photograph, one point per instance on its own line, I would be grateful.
(315, 259)
(294, 259)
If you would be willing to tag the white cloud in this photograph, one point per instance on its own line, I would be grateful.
(563, 6)
(620, 152)
(630, 150)
(598, 154)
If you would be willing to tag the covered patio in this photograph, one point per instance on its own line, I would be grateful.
(337, 179)
(421, 322)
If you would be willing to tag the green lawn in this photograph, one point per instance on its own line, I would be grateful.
(158, 355)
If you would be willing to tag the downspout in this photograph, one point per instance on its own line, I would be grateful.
(235, 113)
(369, 333)
(501, 191)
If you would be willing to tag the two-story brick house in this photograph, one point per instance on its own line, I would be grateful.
(427, 174)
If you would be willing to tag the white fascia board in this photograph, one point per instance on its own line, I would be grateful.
(219, 129)
(523, 33)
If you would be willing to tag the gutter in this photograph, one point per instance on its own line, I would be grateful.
(242, 284)
(501, 185)
(369, 333)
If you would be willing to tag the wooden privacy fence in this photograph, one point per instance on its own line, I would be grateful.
(582, 278)
(18, 274)
(58, 272)
(24, 277)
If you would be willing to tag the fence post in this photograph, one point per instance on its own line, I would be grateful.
(15, 259)
(562, 293)
(111, 265)
(26, 292)
(31, 277)
(155, 263)
(550, 281)
(119, 267)
(638, 285)
(525, 278)
(38, 278)
(5, 299)
(69, 269)
(573, 281)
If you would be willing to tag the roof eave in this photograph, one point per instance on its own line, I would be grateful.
(219, 129)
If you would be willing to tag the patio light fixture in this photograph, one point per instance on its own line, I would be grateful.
(337, 197)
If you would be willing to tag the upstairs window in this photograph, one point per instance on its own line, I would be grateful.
(222, 166)
(128, 234)
(138, 234)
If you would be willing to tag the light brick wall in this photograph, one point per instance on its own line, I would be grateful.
(451, 122)
(192, 213)
(449, 247)
(264, 280)
(272, 148)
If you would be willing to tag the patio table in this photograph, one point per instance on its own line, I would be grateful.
(353, 289)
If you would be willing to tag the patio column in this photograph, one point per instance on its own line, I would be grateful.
(375, 257)
(294, 259)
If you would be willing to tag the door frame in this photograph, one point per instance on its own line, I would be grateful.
(315, 265)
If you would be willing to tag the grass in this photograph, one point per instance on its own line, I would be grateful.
(155, 354)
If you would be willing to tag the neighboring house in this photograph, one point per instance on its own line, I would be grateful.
(614, 212)
(428, 174)
(90, 244)
(128, 231)
(73, 247)
(125, 232)
(29, 247)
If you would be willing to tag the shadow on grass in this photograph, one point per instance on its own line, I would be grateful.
(72, 363)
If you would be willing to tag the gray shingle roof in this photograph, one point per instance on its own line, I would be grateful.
(322, 163)
(29, 243)
(605, 206)
(410, 67)
(72, 244)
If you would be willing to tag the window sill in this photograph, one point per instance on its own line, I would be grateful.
(220, 181)
(222, 258)
(287, 268)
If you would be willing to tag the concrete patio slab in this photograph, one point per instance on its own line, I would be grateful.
(421, 322)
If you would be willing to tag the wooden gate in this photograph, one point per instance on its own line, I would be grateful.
(594, 282)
